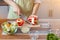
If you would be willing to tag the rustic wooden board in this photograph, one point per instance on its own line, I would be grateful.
(21, 36)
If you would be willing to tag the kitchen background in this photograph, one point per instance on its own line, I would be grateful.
(48, 9)
(42, 13)
(49, 12)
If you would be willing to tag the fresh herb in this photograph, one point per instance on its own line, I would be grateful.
(52, 36)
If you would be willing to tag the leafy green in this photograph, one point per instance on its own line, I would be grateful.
(52, 36)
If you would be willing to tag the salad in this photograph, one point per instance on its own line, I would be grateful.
(9, 28)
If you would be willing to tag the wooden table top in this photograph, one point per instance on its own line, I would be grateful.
(20, 36)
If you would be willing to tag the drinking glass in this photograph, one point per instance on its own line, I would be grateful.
(34, 34)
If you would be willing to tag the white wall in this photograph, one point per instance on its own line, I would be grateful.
(44, 9)
(56, 8)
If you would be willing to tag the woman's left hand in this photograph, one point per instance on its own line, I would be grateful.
(33, 19)
(32, 16)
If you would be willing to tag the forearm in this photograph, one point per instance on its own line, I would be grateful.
(15, 6)
(11, 3)
(35, 9)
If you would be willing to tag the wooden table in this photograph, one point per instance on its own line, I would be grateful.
(18, 36)
(21, 36)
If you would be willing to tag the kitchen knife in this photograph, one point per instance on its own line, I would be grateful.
(24, 18)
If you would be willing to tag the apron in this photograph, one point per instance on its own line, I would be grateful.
(26, 8)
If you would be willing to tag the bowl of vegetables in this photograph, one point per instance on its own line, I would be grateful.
(9, 28)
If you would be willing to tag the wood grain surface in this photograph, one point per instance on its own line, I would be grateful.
(20, 36)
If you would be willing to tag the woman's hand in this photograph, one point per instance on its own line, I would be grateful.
(15, 6)
(33, 19)
(17, 10)
(32, 16)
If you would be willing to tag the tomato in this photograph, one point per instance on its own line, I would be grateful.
(20, 21)
(35, 19)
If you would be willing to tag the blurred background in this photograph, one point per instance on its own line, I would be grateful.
(49, 13)
(43, 11)
(48, 9)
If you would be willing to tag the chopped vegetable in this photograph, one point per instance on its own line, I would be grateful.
(25, 29)
(20, 22)
(52, 36)
(9, 28)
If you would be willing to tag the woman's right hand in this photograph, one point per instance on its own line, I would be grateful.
(17, 11)
(16, 8)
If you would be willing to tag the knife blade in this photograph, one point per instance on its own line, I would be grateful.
(24, 18)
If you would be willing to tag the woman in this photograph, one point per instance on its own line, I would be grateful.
(26, 7)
